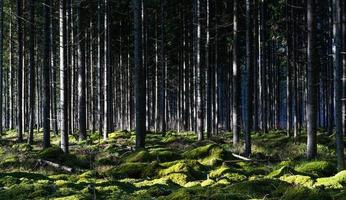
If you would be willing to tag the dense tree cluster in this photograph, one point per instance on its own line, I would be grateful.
(75, 67)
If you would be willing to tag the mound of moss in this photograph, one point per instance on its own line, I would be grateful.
(335, 182)
(285, 170)
(260, 188)
(306, 181)
(191, 168)
(303, 193)
(133, 170)
(198, 192)
(317, 168)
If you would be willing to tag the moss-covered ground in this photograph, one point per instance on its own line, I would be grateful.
(175, 166)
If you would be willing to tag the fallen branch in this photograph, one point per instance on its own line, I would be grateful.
(58, 166)
(242, 157)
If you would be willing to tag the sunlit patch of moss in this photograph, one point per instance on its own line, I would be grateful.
(215, 157)
(120, 134)
(317, 168)
(192, 184)
(22, 147)
(178, 178)
(306, 181)
(335, 182)
(191, 168)
(216, 173)
(303, 193)
(9, 160)
(208, 182)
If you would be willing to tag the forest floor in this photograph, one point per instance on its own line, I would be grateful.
(173, 166)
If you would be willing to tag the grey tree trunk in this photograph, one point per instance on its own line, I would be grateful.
(63, 78)
(138, 76)
(81, 77)
(32, 74)
(45, 77)
(338, 83)
(235, 78)
(1, 61)
(249, 62)
(312, 77)
(20, 69)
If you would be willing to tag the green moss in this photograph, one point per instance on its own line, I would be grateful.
(198, 152)
(27, 191)
(216, 173)
(317, 168)
(7, 181)
(234, 177)
(197, 192)
(215, 157)
(191, 168)
(208, 182)
(22, 147)
(165, 155)
(137, 156)
(192, 184)
(133, 170)
(120, 134)
(303, 193)
(335, 182)
(178, 178)
(282, 171)
(51, 153)
(260, 188)
(298, 180)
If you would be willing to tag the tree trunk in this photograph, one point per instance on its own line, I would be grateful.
(32, 74)
(236, 78)
(338, 83)
(63, 78)
(312, 77)
(138, 79)
(45, 77)
(81, 76)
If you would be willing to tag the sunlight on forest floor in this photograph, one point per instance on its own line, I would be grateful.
(172, 167)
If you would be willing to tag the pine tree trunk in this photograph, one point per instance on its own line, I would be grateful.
(45, 77)
(138, 78)
(236, 78)
(32, 74)
(312, 77)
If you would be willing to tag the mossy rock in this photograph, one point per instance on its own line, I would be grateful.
(193, 169)
(137, 156)
(335, 182)
(306, 181)
(216, 173)
(303, 193)
(120, 134)
(8, 181)
(260, 188)
(27, 191)
(198, 192)
(178, 178)
(27, 175)
(51, 154)
(198, 152)
(133, 170)
(208, 182)
(22, 147)
(317, 168)
(283, 171)
(165, 155)
(234, 177)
